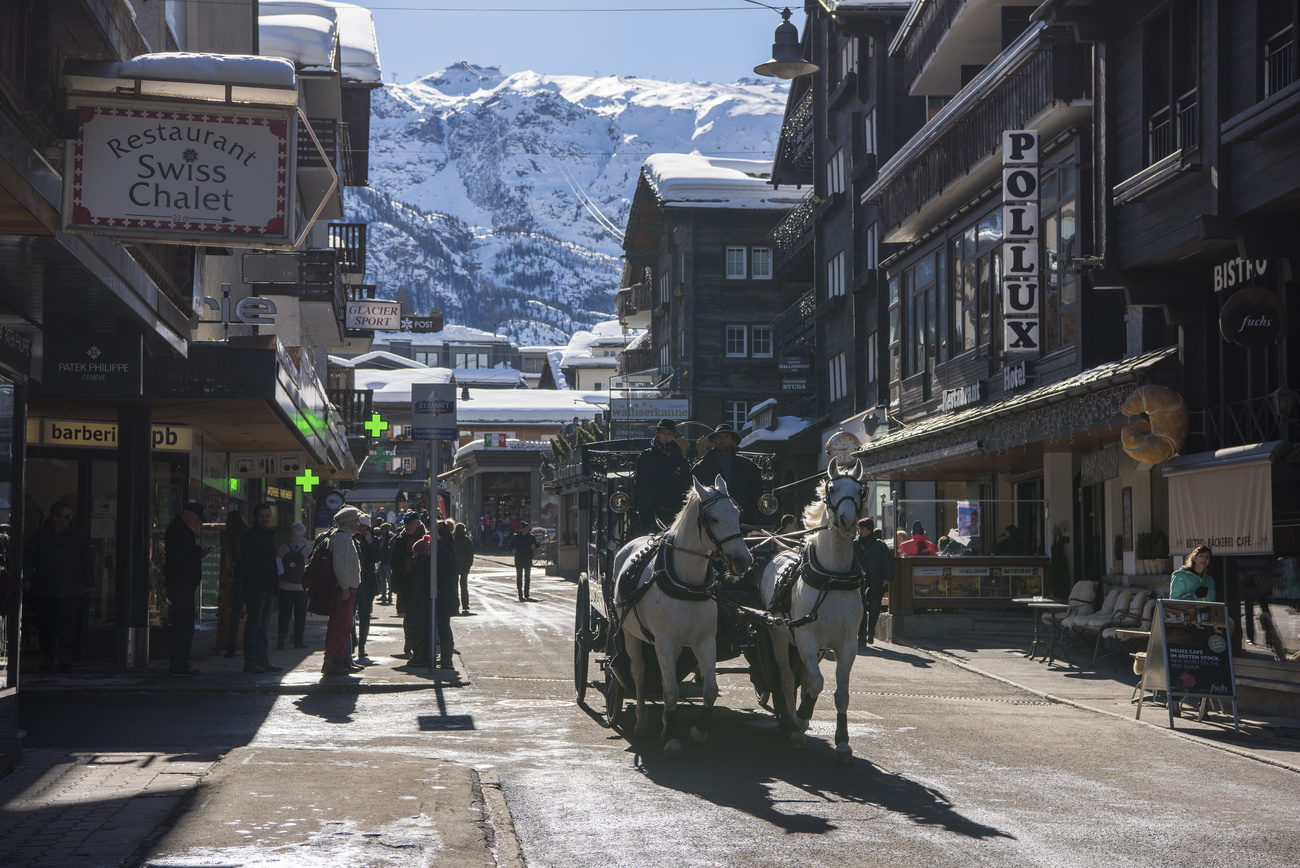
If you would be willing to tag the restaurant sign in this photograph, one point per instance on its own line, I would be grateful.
(163, 171)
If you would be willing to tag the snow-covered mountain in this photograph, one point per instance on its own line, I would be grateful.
(502, 199)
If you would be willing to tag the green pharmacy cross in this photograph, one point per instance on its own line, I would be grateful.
(381, 455)
(376, 425)
(308, 480)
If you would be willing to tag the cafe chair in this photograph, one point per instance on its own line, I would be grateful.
(1123, 607)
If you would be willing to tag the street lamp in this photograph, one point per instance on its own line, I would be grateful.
(787, 54)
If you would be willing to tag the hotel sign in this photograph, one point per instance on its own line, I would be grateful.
(168, 172)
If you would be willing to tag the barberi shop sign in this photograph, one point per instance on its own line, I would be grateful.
(169, 172)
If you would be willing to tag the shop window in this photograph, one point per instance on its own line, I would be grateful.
(920, 314)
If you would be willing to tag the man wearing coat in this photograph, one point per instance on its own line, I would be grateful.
(182, 572)
(744, 479)
(261, 579)
(661, 480)
(877, 561)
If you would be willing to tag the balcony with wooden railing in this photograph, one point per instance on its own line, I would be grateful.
(1048, 85)
(795, 148)
(637, 359)
(633, 305)
(795, 329)
(355, 407)
(349, 239)
(792, 240)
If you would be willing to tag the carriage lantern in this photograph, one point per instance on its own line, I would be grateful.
(767, 504)
(620, 501)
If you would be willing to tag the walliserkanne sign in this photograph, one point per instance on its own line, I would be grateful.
(160, 171)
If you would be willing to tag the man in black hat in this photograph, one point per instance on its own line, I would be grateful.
(662, 477)
(744, 479)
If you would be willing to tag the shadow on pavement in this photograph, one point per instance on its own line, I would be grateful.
(329, 707)
(758, 767)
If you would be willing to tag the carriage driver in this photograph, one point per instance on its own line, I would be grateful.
(744, 479)
(662, 478)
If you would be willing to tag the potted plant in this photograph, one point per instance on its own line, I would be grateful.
(1117, 555)
(1152, 550)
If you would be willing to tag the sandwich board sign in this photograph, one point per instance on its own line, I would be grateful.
(1189, 655)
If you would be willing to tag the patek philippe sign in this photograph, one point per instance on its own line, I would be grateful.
(374, 315)
(433, 411)
(165, 171)
(102, 366)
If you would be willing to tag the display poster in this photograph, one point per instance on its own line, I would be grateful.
(968, 518)
(962, 581)
(1024, 581)
(929, 582)
(1191, 638)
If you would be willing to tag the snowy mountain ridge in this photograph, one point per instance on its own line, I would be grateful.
(502, 199)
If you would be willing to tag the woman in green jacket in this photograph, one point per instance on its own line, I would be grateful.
(1192, 582)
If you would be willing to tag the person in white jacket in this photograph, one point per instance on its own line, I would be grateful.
(347, 569)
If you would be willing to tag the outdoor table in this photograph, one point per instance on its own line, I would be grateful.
(1039, 603)
(1054, 608)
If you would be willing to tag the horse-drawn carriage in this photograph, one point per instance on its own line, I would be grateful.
(672, 601)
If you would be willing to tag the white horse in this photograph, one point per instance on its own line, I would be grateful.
(676, 610)
(827, 585)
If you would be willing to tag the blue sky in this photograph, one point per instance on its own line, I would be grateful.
(685, 40)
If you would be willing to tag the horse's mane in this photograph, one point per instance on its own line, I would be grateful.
(679, 523)
(815, 513)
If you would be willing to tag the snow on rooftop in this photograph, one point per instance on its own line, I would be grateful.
(238, 69)
(394, 387)
(285, 29)
(368, 360)
(496, 377)
(786, 427)
(528, 407)
(711, 182)
(450, 334)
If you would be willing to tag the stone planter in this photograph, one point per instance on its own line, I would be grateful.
(1117, 568)
(1153, 566)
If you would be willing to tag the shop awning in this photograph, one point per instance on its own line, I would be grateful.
(1223, 499)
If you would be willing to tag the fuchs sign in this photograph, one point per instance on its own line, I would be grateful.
(150, 171)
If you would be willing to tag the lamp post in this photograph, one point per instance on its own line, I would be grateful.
(787, 54)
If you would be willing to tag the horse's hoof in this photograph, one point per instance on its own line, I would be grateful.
(797, 739)
(699, 736)
(673, 750)
(641, 730)
(844, 753)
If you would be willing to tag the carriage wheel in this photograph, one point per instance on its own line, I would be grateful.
(582, 637)
(613, 689)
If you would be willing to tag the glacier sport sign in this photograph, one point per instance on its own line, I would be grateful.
(173, 172)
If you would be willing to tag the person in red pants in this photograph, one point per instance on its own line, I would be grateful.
(347, 570)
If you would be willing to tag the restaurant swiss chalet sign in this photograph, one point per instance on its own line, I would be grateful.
(172, 172)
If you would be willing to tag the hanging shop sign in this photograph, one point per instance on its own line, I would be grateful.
(1015, 376)
(255, 465)
(1253, 318)
(170, 172)
(95, 365)
(1239, 271)
(421, 324)
(1021, 280)
(374, 315)
(649, 410)
(955, 399)
(102, 435)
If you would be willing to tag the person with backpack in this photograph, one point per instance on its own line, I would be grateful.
(291, 562)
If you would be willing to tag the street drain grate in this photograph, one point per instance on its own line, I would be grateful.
(445, 722)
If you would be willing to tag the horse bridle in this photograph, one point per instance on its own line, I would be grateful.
(857, 501)
(708, 531)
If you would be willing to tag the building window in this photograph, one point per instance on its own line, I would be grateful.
(1169, 76)
(835, 174)
(895, 339)
(871, 362)
(737, 345)
(975, 281)
(762, 342)
(837, 373)
(1060, 244)
(835, 276)
(869, 132)
(471, 360)
(871, 46)
(432, 359)
(849, 57)
(736, 263)
(920, 334)
(664, 289)
(664, 357)
(760, 259)
(735, 412)
(1277, 39)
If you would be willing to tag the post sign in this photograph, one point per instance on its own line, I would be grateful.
(433, 411)
(374, 315)
(165, 171)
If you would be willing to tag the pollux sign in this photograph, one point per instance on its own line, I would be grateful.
(1021, 281)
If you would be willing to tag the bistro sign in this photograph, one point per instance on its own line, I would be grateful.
(146, 170)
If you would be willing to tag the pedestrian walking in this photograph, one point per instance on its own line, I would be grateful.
(368, 552)
(524, 544)
(261, 585)
(877, 561)
(291, 563)
(182, 573)
(383, 569)
(403, 568)
(347, 572)
(59, 569)
(464, 547)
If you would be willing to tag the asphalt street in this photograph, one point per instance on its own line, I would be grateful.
(951, 768)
